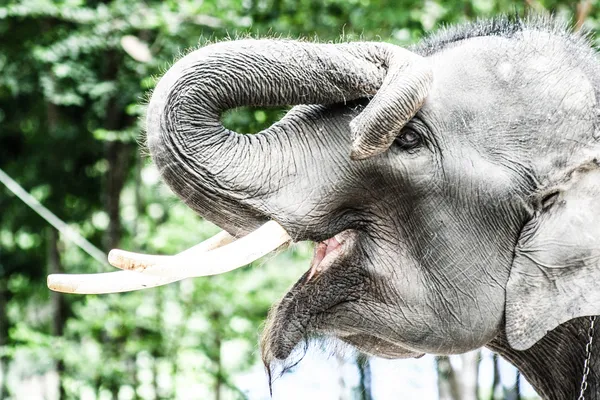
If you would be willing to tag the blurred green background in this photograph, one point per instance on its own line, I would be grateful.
(74, 77)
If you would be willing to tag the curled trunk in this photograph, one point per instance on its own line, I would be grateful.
(232, 178)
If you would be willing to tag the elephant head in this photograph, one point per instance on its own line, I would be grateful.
(452, 189)
(425, 179)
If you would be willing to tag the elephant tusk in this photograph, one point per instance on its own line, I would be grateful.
(127, 281)
(107, 282)
(189, 264)
(128, 260)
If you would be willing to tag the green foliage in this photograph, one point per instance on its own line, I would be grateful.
(74, 76)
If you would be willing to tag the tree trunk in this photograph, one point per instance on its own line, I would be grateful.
(139, 204)
(176, 344)
(518, 386)
(57, 300)
(496, 392)
(4, 359)
(364, 384)
(219, 370)
(159, 347)
(513, 393)
(469, 375)
(343, 387)
(59, 306)
(132, 369)
(155, 377)
(117, 154)
(448, 388)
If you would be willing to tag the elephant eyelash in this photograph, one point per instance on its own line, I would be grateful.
(549, 199)
(420, 130)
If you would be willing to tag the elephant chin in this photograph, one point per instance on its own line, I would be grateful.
(285, 332)
(312, 308)
(305, 307)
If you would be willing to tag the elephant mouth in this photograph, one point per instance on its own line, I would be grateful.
(306, 308)
(329, 251)
(311, 308)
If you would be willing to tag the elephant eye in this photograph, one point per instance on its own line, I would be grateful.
(408, 139)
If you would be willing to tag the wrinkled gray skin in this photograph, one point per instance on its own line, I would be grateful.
(486, 233)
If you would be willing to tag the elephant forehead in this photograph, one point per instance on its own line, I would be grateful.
(534, 74)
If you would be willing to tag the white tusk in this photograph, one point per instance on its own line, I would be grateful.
(107, 282)
(132, 261)
(126, 281)
(223, 259)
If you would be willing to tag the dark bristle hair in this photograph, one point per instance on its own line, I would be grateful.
(502, 26)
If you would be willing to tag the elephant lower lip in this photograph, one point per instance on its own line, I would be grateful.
(327, 251)
(305, 309)
(375, 346)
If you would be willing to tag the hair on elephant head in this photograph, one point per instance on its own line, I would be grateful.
(452, 188)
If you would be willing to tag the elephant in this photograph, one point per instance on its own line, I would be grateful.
(452, 188)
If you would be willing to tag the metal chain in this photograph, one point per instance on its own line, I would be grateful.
(588, 356)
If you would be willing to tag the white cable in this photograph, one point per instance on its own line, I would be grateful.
(52, 219)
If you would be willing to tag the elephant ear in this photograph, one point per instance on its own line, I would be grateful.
(555, 275)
